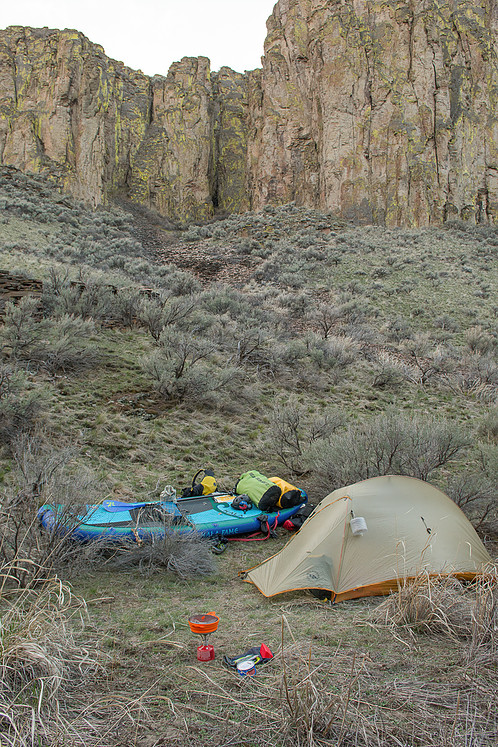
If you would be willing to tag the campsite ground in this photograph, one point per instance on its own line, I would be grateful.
(324, 347)
(341, 674)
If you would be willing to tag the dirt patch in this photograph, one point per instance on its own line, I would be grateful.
(220, 264)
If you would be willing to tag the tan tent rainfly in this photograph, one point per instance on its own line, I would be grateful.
(364, 539)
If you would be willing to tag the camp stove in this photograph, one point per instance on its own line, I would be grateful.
(204, 625)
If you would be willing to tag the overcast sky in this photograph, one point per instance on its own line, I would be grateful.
(149, 35)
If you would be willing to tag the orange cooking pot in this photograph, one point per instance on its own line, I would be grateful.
(203, 624)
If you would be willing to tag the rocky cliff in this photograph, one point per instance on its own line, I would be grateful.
(383, 111)
(380, 111)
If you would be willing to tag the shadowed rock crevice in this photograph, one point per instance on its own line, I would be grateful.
(380, 112)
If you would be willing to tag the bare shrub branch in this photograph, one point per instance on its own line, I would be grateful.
(20, 405)
(186, 555)
(21, 329)
(43, 475)
(293, 432)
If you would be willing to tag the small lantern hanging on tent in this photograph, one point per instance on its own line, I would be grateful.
(358, 525)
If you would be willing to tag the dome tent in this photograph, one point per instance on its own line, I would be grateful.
(408, 527)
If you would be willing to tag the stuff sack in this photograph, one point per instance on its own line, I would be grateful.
(297, 521)
(289, 495)
(206, 486)
(263, 493)
(290, 498)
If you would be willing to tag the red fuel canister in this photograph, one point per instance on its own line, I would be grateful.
(205, 653)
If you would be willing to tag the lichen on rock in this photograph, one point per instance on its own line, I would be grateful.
(380, 111)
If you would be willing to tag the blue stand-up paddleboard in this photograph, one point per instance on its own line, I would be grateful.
(115, 521)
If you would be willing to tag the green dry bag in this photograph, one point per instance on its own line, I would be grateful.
(262, 491)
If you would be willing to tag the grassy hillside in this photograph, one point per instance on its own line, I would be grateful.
(286, 341)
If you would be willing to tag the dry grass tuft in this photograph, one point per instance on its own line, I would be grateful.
(483, 645)
(46, 674)
(316, 711)
(435, 606)
(442, 605)
(39, 657)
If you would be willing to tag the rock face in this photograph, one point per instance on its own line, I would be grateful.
(176, 143)
(378, 110)
(383, 111)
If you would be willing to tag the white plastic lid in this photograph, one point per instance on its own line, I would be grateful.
(245, 666)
